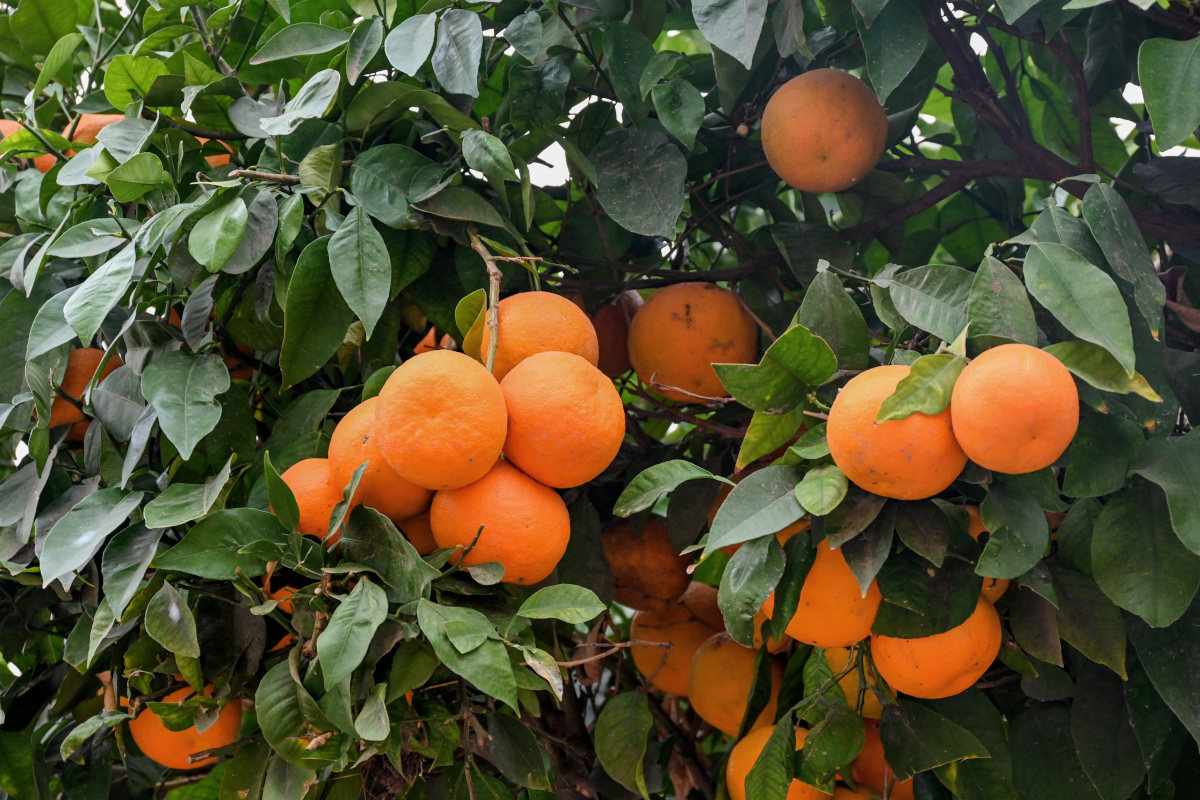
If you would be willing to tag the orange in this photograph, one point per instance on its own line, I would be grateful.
(566, 421)
(316, 492)
(773, 645)
(993, 588)
(943, 664)
(353, 442)
(871, 768)
(746, 752)
(720, 680)
(681, 331)
(906, 459)
(611, 321)
(667, 667)
(218, 160)
(833, 612)
(1015, 409)
(525, 524)
(8, 127)
(172, 748)
(86, 131)
(534, 322)
(701, 600)
(441, 421)
(646, 571)
(416, 529)
(823, 131)
(838, 658)
(429, 343)
(81, 367)
(861, 793)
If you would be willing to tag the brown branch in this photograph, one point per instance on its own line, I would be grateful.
(204, 133)
(493, 308)
(922, 202)
(270, 177)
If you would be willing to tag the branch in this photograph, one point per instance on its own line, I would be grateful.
(204, 133)
(270, 177)
(494, 277)
(217, 58)
(1083, 108)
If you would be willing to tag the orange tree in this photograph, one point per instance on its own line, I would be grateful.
(226, 225)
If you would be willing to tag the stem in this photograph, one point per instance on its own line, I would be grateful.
(494, 278)
(270, 177)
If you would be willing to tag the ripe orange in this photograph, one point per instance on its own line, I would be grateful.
(525, 524)
(906, 459)
(667, 667)
(832, 611)
(871, 768)
(701, 600)
(441, 421)
(993, 588)
(566, 421)
(681, 331)
(218, 160)
(428, 343)
(720, 680)
(773, 645)
(646, 571)
(86, 131)
(381, 487)
(746, 752)
(8, 127)
(312, 483)
(943, 664)
(823, 131)
(416, 529)
(81, 366)
(534, 322)
(1015, 409)
(611, 321)
(838, 658)
(172, 748)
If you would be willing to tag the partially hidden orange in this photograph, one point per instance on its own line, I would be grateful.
(993, 588)
(746, 752)
(81, 367)
(535, 322)
(871, 768)
(354, 443)
(172, 748)
(666, 638)
(646, 570)
(833, 610)
(317, 492)
(720, 682)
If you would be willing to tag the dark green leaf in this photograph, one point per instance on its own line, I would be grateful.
(361, 268)
(998, 305)
(771, 774)
(653, 482)
(413, 662)
(920, 600)
(184, 502)
(640, 178)
(456, 202)
(1018, 531)
(386, 179)
(125, 560)
(731, 26)
(515, 751)
(621, 733)
(315, 316)
(893, 44)
(680, 108)
(571, 604)
(299, 39)
(289, 717)
(1171, 85)
(794, 363)
(763, 503)
(768, 432)
(1088, 620)
(1171, 657)
(1174, 464)
(78, 535)
(342, 646)
(457, 52)
(183, 389)
(932, 298)
(979, 778)
(917, 738)
(1117, 233)
(372, 539)
(219, 233)
(364, 43)
(829, 312)
(832, 743)
(487, 666)
(926, 389)
(1045, 765)
(750, 577)
(211, 549)
(170, 622)
(39, 24)
(99, 294)
(1100, 455)
(923, 528)
(1103, 734)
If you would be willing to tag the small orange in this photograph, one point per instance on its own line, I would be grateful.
(217, 160)
(993, 588)
(611, 321)
(944, 664)
(823, 131)
(416, 529)
(681, 331)
(833, 612)
(525, 524)
(441, 421)
(720, 680)
(534, 322)
(746, 752)
(428, 342)
(81, 367)
(838, 658)
(316, 492)
(353, 442)
(172, 748)
(1015, 409)
(667, 667)
(906, 459)
(871, 768)
(646, 571)
(566, 421)
(701, 600)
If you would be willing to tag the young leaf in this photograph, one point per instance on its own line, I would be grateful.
(926, 389)
(822, 489)
(361, 268)
(794, 363)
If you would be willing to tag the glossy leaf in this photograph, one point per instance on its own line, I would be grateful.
(822, 489)
(1114, 228)
(571, 604)
(1099, 368)
(78, 534)
(829, 312)
(933, 298)
(794, 363)
(761, 504)
(926, 389)
(216, 546)
(998, 306)
(652, 483)
(183, 389)
(170, 622)
(1171, 85)
(361, 269)
(342, 646)
(620, 739)
(315, 316)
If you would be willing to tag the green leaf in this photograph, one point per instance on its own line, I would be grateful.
(1045, 765)
(288, 717)
(514, 750)
(1088, 620)
(731, 25)
(125, 560)
(39, 24)
(621, 735)
(1098, 367)
(184, 502)
(866, 553)
(793, 365)
(1082, 297)
(653, 482)
(139, 175)
(570, 604)
(832, 743)
(926, 389)
(99, 294)
(61, 54)
(299, 39)
(457, 52)
(924, 529)
(487, 667)
(372, 540)
(361, 267)
(1101, 452)
(524, 33)
(387, 178)
(280, 498)
(1111, 222)
(893, 44)
(322, 167)
(761, 504)
(1103, 734)
(466, 628)
(488, 154)
(752, 574)
(1171, 657)
(822, 489)
(183, 389)
(364, 43)
(771, 774)
(78, 535)
(413, 662)
(49, 328)
(921, 600)
(640, 180)
(315, 317)
(213, 547)
(91, 238)
(129, 78)
(998, 305)
(409, 44)
(314, 99)
(768, 432)
(1018, 531)
(932, 298)
(218, 234)
(457, 202)
(1174, 464)
(342, 646)
(170, 622)
(680, 109)
(1169, 72)
(829, 312)
(917, 738)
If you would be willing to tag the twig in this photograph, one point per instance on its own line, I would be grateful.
(217, 58)
(615, 647)
(204, 133)
(494, 277)
(270, 177)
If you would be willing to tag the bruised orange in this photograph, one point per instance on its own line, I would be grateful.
(720, 680)
(833, 611)
(81, 367)
(354, 443)
(646, 571)
(871, 768)
(701, 600)
(172, 748)
(746, 752)
(535, 322)
(317, 492)
(667, 667)
(993, 588)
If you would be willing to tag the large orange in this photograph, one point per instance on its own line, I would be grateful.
(720, 680)
(907, 459)
(418, 532)
(441, 421)
(81, 367)
(943, 664)
(172, 748)
(381, 487)
(701, 599)
(646, 571)
(993, 588)
(871, 768)
(525, 524)
(317, 492)
(838, 658)
(566, 421)
(667, 667)
(746, 752)
(86, 131)
(611, 321)
(1015, 409)
(823, 131)
(681, 331)
(534, 322)
(833, 612)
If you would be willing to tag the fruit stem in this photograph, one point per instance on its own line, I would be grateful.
(494, 278)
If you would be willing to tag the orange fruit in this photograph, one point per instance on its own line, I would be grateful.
(8, 127)
(282, 594)
(416, 529)
(646, 570)
(823, 131)
(720, 680)
(943, 664)
(429, 343)
(681, 331)
(993, 588)
(906, 459)
(81, 367)
(534, 322)
(838, 658)
(1015, 409)
(86, 131)
(871, 768)
(217, 160)
(353, 442)
(833, 612)
(611, 321)
(566, 421)
(525, 524)
(172, 748)
(701, 600)
(861, 793)
(667, 667)
(312, 483)
(746, 752)
(773, 645)
(441, 421)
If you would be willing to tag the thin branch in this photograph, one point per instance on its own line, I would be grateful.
(494, 277)
(216, 57)
(270, 177)
(204, 133)
(1083, 109)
